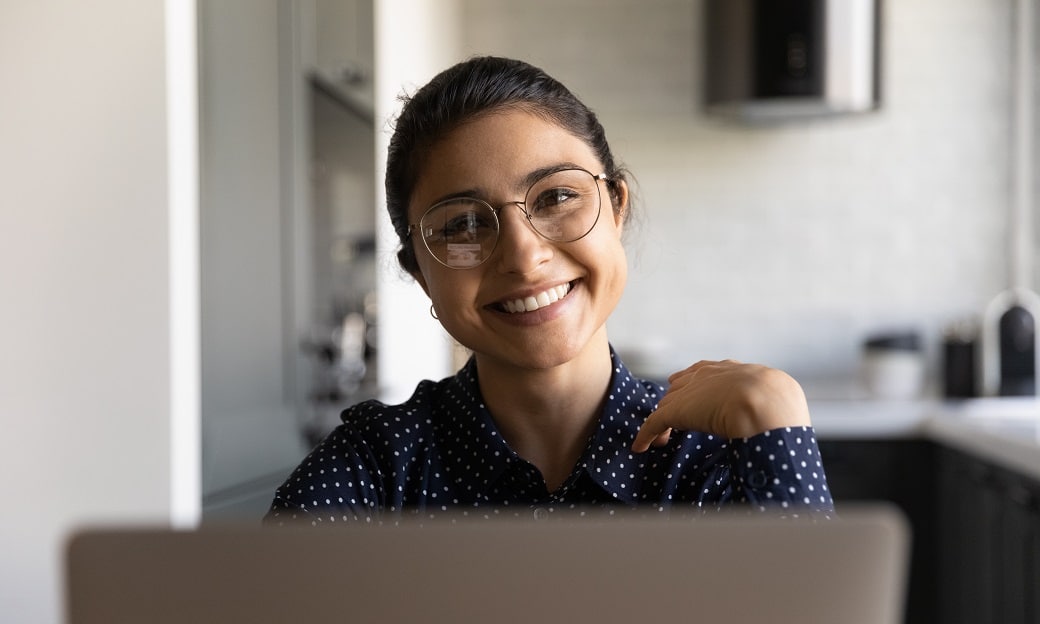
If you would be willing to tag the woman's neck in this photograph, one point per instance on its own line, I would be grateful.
(547, 415)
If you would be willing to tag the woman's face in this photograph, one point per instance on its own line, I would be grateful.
(490, 158)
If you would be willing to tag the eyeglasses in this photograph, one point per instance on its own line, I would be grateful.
(462, 232)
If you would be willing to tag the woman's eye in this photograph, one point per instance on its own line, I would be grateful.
(553, 199)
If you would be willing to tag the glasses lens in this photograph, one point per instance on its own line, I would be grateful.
(460, 233)
(564, 206)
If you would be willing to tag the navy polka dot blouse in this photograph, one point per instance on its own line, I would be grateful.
(440, 452)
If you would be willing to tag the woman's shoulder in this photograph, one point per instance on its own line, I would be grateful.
(375, 411)
(416, 412)
(625, 382)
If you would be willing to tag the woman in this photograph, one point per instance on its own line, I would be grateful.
(510, 209)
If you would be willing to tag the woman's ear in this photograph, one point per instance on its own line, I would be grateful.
(407, 260)
(418, 276)
(619, 196)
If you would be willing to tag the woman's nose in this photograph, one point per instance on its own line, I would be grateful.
(520, 248)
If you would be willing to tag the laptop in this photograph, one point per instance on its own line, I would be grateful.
(722, 568)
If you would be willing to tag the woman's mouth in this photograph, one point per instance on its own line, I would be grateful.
(534, 302)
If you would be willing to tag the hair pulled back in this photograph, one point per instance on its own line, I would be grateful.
(462, 92)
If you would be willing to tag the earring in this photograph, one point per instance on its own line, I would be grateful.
(433, 312)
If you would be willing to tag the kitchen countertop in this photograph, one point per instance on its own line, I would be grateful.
(1004, 431)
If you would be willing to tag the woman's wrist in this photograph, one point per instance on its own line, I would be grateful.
(774, 402)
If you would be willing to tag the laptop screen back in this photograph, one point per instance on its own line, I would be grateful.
(726, 568)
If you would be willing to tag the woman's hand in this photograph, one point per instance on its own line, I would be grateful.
(729, 399)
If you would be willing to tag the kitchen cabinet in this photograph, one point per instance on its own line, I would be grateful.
(250, 437)
(989, 541)
(976, 525)
(899, 471)
(287, 224)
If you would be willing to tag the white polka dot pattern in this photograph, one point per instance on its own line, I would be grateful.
(440, 452)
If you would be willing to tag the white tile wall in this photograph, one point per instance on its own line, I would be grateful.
(786, 245)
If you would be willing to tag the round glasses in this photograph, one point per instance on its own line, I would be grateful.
(462, 232)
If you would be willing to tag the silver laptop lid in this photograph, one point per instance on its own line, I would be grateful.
(724, 568)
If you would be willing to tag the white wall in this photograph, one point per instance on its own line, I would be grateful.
(414, 41)
(84, 323)
(788, 244)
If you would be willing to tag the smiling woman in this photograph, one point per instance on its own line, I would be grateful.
(510, 208)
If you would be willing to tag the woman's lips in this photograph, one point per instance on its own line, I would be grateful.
(540, 300)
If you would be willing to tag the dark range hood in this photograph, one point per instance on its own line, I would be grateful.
(774, 60)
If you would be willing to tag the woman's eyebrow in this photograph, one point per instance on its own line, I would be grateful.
(521, 186)
(541, 172)
(471, 193)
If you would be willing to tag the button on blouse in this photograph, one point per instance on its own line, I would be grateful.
(440, 452)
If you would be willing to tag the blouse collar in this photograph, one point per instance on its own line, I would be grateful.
(607, 459)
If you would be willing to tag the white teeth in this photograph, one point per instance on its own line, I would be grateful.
(542, 299)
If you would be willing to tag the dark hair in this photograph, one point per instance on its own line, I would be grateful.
(462, 92)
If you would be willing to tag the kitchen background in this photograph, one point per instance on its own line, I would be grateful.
(786, 244)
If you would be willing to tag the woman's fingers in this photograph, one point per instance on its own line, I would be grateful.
(657, 428)
(654, 432)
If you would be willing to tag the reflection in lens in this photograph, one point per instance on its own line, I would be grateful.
(460, 233)
(463, 255)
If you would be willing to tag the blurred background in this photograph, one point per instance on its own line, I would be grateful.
(790, 241)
